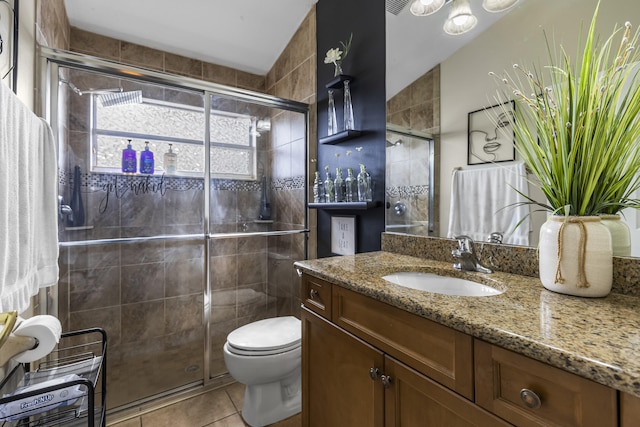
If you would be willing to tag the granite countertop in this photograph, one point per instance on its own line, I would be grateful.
(596, 338)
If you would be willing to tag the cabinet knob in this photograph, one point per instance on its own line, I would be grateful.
(386, 381)
(373, 373)
(313, 294)
(530, 398)
(299, 272)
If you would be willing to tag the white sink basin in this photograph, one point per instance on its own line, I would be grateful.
(441, 284)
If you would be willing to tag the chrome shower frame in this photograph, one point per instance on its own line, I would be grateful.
(49, 62)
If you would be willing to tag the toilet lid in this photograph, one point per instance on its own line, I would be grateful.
(277, 333)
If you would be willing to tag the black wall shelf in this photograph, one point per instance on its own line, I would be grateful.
(345, 205)
(337, 83)
(340, 136)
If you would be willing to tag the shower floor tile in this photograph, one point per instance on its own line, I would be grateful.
(217, 408)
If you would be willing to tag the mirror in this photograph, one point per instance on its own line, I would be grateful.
(458, 66)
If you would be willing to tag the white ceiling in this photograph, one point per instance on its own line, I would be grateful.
(248, 35)
(251, 34)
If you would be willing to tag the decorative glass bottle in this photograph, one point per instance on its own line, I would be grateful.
(329, 193)
(332, 124)
(349, 122)
(364, 185)
(265, 206)
(77, 207)
(318, 189)
(351, 187)
(338, 186)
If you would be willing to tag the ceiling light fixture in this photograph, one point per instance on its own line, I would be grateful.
(426, 7)
(498, 5)
(461, 19)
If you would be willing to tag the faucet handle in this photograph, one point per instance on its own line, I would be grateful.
(465, 243)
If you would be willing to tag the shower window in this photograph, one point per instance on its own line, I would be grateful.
(232, 137)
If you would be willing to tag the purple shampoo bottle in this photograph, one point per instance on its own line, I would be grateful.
(146, 160)
(129, 159)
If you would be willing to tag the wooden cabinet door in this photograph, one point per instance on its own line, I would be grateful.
(337, 389)
(413, 400)
(629, 410)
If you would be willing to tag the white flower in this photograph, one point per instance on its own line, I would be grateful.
(333, 56)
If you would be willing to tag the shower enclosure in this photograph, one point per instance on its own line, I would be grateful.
(169, 262)
(411, 189)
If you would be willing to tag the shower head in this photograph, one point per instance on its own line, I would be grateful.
(121, 98)
(393, 141)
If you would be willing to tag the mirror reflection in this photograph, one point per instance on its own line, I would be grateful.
(434, 80)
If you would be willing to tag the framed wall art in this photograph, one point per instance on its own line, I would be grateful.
(343, 234)
(491, 137)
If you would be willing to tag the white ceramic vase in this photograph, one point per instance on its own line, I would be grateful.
(620, 235)
(576, 256)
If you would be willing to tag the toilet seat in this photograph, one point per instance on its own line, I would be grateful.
(265, 337)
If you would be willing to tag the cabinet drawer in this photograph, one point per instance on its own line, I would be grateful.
(316, 295)
(505, 380)
(441, 353)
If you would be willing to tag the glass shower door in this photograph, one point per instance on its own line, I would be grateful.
(134, 266)
(257, 216)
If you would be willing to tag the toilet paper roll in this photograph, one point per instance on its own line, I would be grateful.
(46, 329)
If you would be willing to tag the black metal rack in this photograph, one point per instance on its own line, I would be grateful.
(76, 354)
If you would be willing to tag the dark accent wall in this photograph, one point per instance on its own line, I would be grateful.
(335, 20)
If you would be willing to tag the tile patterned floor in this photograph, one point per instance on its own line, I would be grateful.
(217, 408)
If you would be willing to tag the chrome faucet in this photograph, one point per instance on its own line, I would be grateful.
(466, 257)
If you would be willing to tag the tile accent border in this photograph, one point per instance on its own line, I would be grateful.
(100, 180)
(407, 190)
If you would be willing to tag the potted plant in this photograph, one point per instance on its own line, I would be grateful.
(577, 127)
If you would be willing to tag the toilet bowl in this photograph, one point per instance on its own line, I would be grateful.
(265, 356)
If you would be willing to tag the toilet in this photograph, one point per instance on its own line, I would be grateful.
(266, 357)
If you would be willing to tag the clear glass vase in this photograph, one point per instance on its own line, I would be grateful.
(338, 186)
(329, 192)
(318, 189)
(349, 122)
(364, 185)
(332, 122)
(338, 68)
(351, 187)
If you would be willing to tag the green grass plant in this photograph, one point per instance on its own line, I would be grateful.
(577, 124)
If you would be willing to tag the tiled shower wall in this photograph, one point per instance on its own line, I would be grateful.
(293, 77)
(417, 107)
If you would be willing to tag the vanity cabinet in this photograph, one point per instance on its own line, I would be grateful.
(379, 375)
(366, 363)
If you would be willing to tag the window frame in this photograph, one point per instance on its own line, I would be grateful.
(251, 148)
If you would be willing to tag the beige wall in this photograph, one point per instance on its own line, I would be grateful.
(516, 38)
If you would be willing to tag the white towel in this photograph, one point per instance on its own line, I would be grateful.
(481, 200)
(28, 204)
